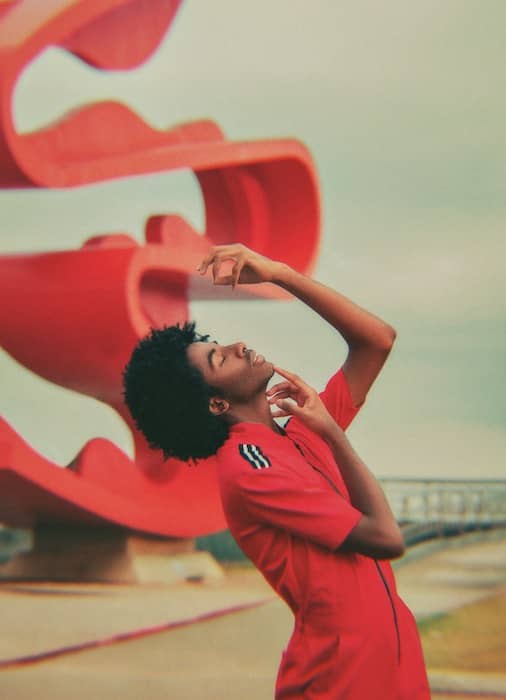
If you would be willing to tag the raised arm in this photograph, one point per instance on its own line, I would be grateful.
(369, 339)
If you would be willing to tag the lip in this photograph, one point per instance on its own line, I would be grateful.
(254, 358)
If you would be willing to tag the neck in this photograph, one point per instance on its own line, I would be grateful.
(255, 411)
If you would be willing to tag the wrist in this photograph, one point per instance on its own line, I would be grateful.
(335, 437)
(281, 273)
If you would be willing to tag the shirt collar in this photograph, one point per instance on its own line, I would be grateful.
(260, 429)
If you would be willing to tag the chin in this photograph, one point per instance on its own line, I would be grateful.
(268, 372)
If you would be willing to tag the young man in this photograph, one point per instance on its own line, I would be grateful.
(299, 501)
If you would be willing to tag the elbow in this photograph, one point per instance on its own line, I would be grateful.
(387, 340)
(393, 543)
(393, 549)
(379, 540)
(382, 341)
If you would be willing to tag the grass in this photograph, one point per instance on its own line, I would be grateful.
(473, 638)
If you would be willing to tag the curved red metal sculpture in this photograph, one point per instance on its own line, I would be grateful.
(105, 296)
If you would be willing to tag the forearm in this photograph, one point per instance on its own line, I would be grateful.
(355, 324)
(365, 491)
(377, 534)
(369, 339)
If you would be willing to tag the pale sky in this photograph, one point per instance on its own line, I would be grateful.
(403, 108)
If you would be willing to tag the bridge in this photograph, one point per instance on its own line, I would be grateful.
(425, 508)
(434, 507)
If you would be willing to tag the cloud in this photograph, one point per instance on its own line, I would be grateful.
(455, 272)
(403, 107)
(445, 449)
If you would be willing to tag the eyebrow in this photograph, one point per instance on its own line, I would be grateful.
(210, 357)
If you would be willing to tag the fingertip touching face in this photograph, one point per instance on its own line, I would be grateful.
(237, 371)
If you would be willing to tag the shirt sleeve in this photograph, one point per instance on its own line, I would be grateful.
(308, 509)
(337, 398)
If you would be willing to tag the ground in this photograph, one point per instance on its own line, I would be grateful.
(457, 592)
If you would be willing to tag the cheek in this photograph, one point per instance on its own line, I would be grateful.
(238, 382)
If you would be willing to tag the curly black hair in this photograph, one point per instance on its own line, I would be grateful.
(169, 399)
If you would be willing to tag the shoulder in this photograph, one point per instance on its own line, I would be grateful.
(246, 453)
(250, 458)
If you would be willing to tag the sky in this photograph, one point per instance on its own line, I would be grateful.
(403, 108)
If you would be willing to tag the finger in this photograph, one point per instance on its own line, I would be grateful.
(282, 386)
(280, 414)
(202, 268)
(287, 405)
(224, 280)
(236, 271)
(279, 395)
(232, 250)
(216, 269)
(293, 378)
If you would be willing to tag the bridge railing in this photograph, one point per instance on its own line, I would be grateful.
(431, 507)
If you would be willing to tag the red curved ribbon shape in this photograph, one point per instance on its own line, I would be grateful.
(112, 290)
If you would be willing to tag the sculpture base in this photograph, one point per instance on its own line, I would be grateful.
(108, 555)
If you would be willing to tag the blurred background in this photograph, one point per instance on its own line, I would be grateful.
(403, 107)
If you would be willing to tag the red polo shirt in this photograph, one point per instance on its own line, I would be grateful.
(288, 508)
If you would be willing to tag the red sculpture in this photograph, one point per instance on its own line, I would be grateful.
(74, 316)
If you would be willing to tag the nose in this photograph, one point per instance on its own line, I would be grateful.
(239, 349)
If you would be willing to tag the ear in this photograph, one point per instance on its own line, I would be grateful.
(218, 406)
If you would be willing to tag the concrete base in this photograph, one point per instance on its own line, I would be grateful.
(108, 555)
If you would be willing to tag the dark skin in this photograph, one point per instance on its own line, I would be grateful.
(242, 377)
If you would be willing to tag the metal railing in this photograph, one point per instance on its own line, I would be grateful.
(441, 507)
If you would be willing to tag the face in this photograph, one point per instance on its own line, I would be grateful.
(239, 372)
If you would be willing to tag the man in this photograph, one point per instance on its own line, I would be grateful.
(299, 500)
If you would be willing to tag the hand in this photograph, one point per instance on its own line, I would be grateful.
(248, 267)
(294, 397)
